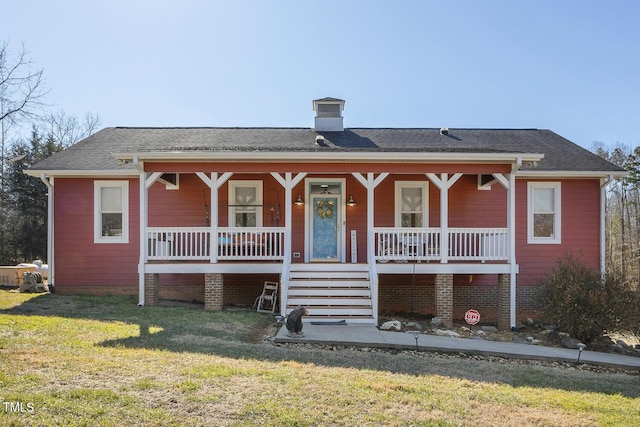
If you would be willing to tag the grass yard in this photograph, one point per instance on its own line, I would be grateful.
(77, 361)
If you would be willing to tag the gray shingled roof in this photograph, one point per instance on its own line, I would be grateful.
(96, 152)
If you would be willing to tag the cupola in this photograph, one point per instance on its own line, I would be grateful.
(328, 114)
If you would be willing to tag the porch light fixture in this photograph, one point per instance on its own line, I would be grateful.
(351, 202)
(299, 201)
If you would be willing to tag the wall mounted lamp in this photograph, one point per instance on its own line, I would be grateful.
(351, 202)
(299, 201)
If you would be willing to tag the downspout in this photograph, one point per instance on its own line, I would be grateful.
(50, 229)
(604, 183)
(512, 242)
(143, 229)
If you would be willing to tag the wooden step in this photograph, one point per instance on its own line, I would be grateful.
(329, 301)
(328, 283)
(334, 291)
(329, 275)
(326, 311)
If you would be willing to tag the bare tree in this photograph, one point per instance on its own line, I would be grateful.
(22, 89)
(67, 130)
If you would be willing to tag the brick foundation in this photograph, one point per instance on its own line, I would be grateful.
(504, 302)
(444, 298)
(398, 293)
(151, 289)
(213, 291)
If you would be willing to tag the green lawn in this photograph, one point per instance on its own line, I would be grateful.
(103, 361)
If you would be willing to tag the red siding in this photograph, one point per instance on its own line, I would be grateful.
(82, 264)
(580, 230)
(79, 261)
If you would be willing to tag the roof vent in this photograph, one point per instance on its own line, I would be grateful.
(444, 131)
(319, 140)
(328, 114)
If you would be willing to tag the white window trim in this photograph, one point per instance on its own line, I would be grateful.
(233, 184)
(97, 212)
(557, 219)
(399, 185)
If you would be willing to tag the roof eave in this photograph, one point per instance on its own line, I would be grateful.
(70, 173)
(342, 156)
(570, 174)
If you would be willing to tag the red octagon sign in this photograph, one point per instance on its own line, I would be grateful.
(472, 317)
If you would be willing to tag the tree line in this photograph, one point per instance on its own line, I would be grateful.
(623, 214)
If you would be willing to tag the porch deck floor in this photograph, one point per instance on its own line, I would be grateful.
(363, 335)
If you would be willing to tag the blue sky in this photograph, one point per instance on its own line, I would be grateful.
(569, 66)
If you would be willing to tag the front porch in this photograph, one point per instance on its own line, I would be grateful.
(429, 237)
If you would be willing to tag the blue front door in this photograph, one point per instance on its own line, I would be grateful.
(325, 225)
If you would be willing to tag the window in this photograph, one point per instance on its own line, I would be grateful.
(411, 204)
(111, 212)
(245, 203)
(543, 212)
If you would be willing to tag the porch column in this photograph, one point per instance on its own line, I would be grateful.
(444, 183)
(504, 302)
(509, 183)
(146, 181)
(370, 183)
(287, 182)
(213, 291)
(152, 288)
(444, 298)
(214, 183)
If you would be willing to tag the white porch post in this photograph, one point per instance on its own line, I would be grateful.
(214, 183)
(370, 183)
(444, 183)
(287, 182)
(509, 183)
(145, 183)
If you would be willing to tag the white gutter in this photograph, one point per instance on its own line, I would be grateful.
(50, 230)
(339, 156)
(569, 174)
(512, 241)
(127, 173)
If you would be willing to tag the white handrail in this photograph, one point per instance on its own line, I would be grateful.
(233, 243)
(373, 274)
(402, 244)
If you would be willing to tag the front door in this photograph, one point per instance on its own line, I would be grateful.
(325, 221)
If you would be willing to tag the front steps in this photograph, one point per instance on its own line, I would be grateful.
(331, 292)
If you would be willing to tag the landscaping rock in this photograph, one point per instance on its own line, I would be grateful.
(622, 344)
(447, 333)
(569, 342)
(391, 325)
(490, 329)
(437, 321)
(414, 326)
(516, 339)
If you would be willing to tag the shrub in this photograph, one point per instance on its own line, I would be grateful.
(578, 301)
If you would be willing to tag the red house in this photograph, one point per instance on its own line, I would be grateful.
(352, 223)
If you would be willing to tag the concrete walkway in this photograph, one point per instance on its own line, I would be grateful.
(370, 336)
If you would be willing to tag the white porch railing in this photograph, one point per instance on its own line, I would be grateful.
(423, 244)
(234, 243)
